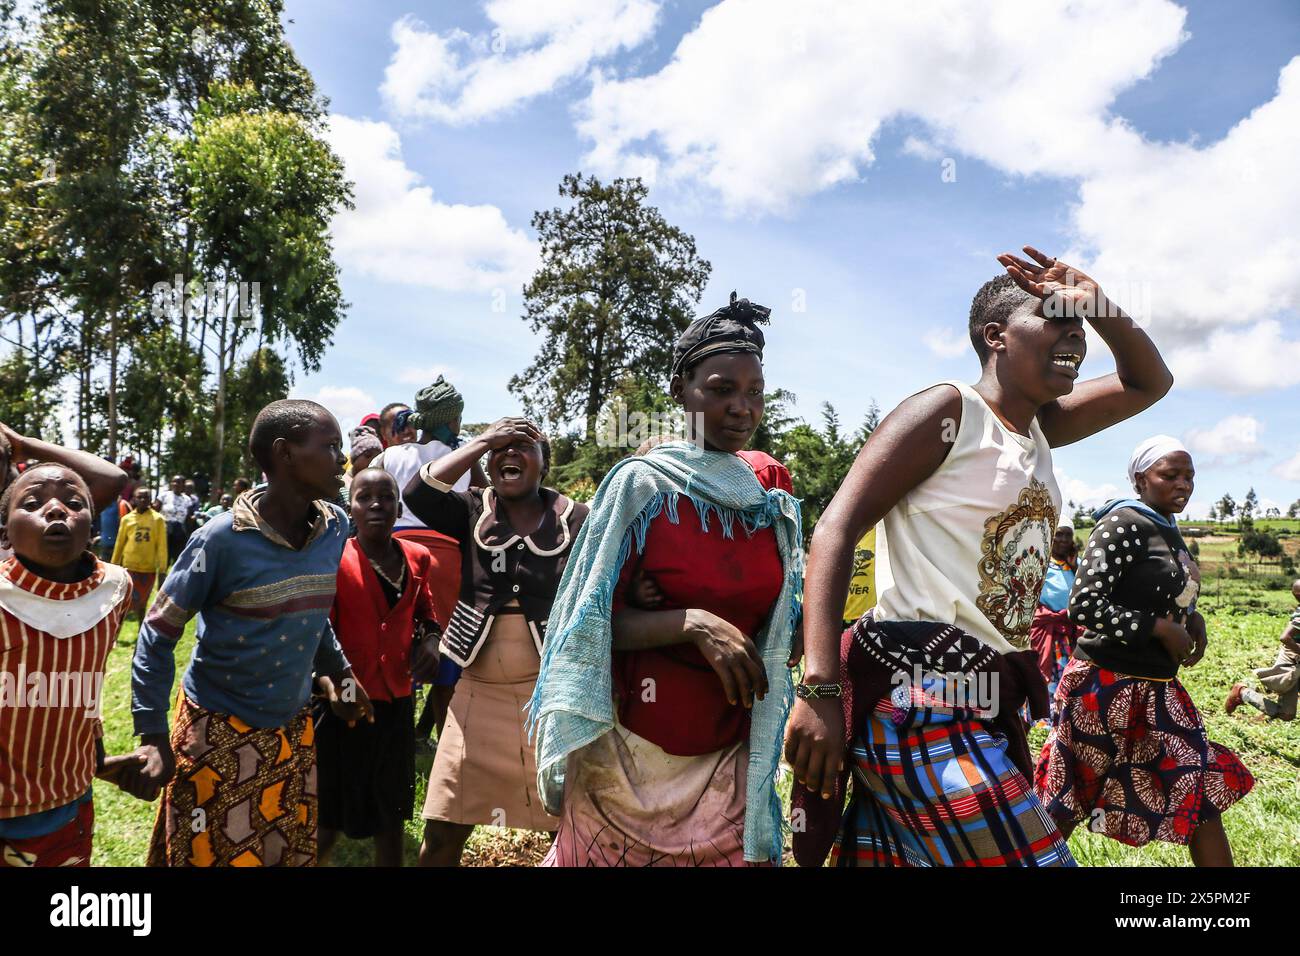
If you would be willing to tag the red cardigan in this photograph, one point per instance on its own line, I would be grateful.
(375, 638)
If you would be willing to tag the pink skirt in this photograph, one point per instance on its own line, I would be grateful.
(629, 803)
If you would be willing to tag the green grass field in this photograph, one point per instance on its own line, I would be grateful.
(1245, 619)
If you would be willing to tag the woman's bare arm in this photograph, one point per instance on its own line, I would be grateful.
(104, 478)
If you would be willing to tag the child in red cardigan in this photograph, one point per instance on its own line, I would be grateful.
(384, 618)
(60, 611)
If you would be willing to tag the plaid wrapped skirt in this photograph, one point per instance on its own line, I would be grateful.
(938, 789)
(1130, 758)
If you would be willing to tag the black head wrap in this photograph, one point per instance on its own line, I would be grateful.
(733, 328)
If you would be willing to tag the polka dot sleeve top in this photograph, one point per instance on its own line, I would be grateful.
(1129, 574)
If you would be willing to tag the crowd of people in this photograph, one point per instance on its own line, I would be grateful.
(624, 674)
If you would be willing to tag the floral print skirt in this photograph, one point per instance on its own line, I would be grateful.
(1129, 757)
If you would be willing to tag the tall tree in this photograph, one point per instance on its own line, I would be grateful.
(96, 95)
(617, 284)
(1248, 507)
(264, 187)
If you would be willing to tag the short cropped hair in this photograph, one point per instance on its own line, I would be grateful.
(368, 471)
(290, 419)
(994, 302)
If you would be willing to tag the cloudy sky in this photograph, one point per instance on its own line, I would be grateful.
(854, 166)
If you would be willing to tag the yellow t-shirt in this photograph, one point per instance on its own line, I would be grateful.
(141, 542)
(862, 586)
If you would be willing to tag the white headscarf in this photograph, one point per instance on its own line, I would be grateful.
(1149, 452)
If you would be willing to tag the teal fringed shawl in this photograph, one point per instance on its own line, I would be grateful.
(572, 704)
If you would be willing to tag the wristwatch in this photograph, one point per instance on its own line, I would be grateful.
(818, 691)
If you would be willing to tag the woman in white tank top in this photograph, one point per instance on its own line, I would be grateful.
(958, 480)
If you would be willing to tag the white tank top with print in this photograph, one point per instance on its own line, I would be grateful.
(971, 544)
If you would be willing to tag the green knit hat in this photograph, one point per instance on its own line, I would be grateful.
(438, 404)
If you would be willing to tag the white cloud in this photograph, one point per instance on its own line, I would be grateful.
(1233, 439)
(767, 102)
(946, 343)
(1289, 469)
(1082, 493)
(1258, 358)
(426, 375)
(921, 149)
(1210, 234)
(532, 47)
(348, 404)
(400, 233)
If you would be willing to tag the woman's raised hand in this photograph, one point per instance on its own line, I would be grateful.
(509, 430)
(1046, 277)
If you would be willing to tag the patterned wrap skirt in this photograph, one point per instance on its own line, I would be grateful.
(241, 795)
(69, 845)
(1130, 757)
(937, 789)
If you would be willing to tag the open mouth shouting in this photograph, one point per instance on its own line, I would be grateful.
(511, 472)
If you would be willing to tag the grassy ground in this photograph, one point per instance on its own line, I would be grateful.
(1245, 619)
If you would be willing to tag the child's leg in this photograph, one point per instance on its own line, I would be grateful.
(1261, 703)
(1209, 844)
(443, 842)
(441, 697)
(424, 726)
(1286, 704)
(389, 847)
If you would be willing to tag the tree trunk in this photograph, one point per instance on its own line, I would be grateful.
(185, 278)
(595, 387)
(112, 384)
(82, 381)
(219, 409)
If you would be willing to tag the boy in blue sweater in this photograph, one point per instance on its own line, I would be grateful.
(238, 770)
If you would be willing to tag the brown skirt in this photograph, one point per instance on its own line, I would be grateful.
(485, 771)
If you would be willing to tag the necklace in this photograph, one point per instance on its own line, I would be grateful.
(401, 575)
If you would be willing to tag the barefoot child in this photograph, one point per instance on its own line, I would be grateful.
(1283, 678)
(383, 604)
(261, 578)
(141, 548)
(60, 610)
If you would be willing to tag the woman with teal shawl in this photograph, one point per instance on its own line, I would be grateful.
(709, 526)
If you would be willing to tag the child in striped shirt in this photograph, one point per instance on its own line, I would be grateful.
(60, 610)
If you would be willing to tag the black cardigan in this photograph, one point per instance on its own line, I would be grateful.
(1132, 571)
(497, 564)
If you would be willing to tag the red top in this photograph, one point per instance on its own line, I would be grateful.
(50, 687)
(377, 638)
(739, 580)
